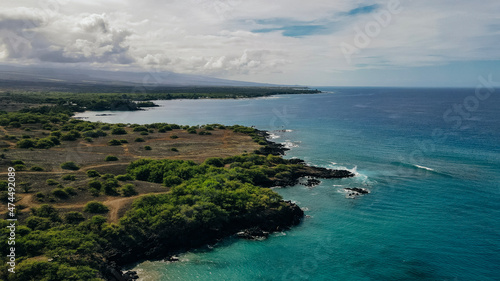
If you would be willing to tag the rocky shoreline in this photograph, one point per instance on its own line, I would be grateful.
(269, 221)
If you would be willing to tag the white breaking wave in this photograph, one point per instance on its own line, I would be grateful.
(273, 136)
(289, 144)
(423, 167)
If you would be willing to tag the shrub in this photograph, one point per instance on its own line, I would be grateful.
(36, 168)
(89, 139)
(94, 192)
(38, 223)
(95, 207)
(114, 142)
(69, 166)
(56, 134)
(202, 133)
(69, 177)
(215, 161)
(123, 177)
(60, 193)
(71, 136)
(19, 167)
(25, 186)
(95, 184)
(123, 141)
(17, 162)
(147, 147)
(144, 133)
(44, 143)
(172, 180)
(39, 196)
(70, 190)
(15, 124)
(111, 158)
(139, 140)
(74, 217)
(93, 174)
(110, 187)
(51, 182)
(174, 137)
(118, 131)
(108, 176)
(174, 149)
(4, 185)
(140, 129)
(128, 190)
(26, 143)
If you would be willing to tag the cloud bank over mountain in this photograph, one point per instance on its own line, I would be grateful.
(285, 42)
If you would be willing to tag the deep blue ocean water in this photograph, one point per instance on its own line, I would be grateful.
(430, 158)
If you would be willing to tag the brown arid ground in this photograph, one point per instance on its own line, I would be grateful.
(91, 156)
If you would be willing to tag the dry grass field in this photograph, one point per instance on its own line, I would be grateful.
(92, 155)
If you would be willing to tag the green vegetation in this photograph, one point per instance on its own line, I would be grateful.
(51, 182)
(74, 217)
(118, 131)
(36, 168)
(114, 142)
(147, 147)
(60, 193)
(216, 198)
(126, 98)
(95, 207)
(69, 166)
(111, 158)
(128, 190)
(93, 174)
(123, 177)
(69, 177)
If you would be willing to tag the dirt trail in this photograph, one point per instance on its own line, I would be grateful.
(114, 204)
(70, 172)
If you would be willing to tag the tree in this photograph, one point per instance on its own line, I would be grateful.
(93, 174)
(95, 207)
(128, 190)
(74, 217)
(26, 143)
(111, 158)
(118, 131)
(70, 166)
(114, 142)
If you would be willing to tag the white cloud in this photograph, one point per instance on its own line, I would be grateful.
(216, 38)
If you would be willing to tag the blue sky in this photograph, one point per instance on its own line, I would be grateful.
(319, 42)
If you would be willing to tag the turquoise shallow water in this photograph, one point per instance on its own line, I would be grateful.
(433, 210)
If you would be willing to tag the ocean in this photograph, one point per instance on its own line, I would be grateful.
(429, 157)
